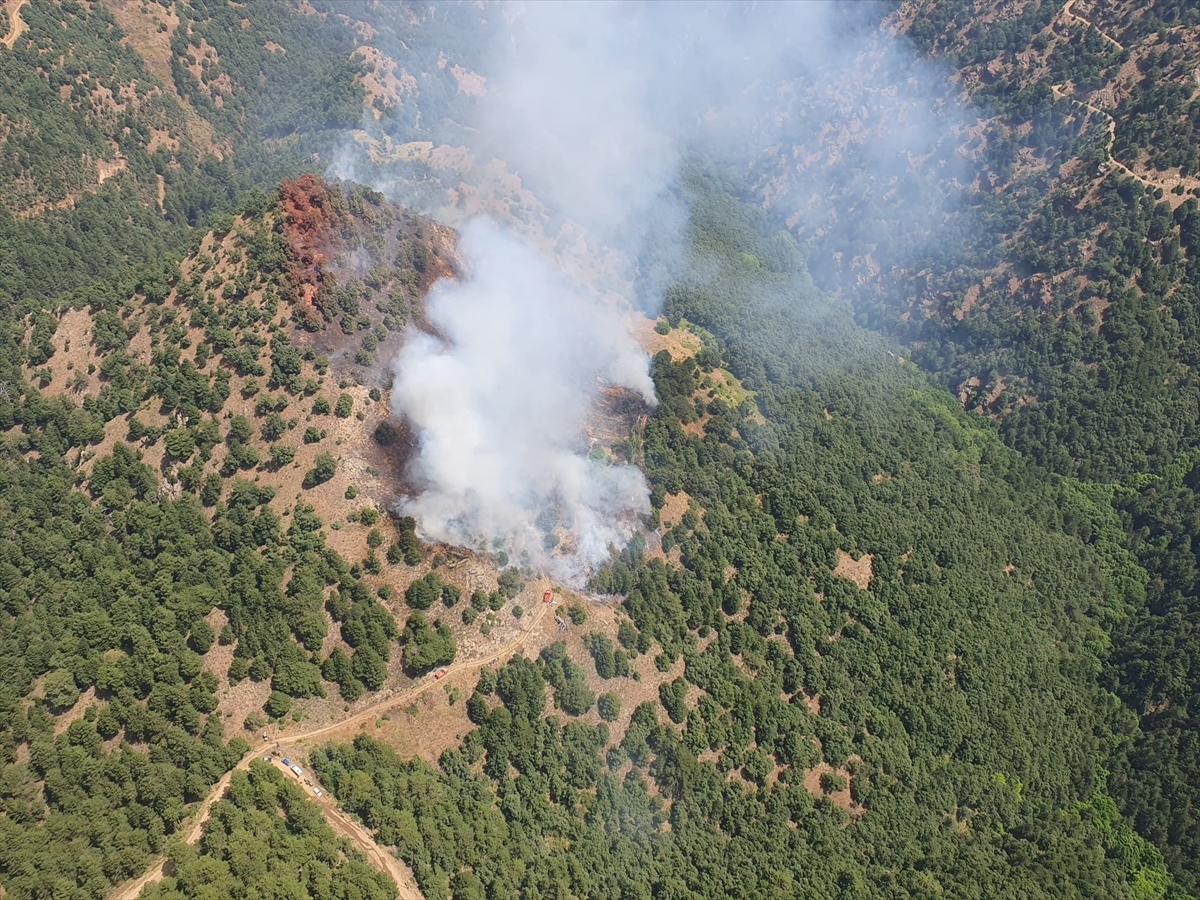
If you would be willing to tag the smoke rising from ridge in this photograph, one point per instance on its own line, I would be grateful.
(595, 106)
(499, 402)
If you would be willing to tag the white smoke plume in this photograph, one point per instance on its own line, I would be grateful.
(594, 106)
(499, 402)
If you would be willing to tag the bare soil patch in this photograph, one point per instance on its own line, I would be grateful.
(673, 509)
(841, 798)
(679, 342)
(856, 570)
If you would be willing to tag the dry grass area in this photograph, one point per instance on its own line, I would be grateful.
(679, 342)
(654, 550)
(341, 721)
(234, 702)
(373, 471)
(141, 23)
(812, 703)
(207, 57)
(63, 722)
(856, 570)
(386, 83)
(73, 353)
(669, 515)
(142, 32)
(106, 169)
(431, 724)
(673, 509)
(470, 83)
(605, 619)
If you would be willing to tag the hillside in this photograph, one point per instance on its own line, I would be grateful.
(189, 468)
(912, 609)
(835, 706)
(1046, 278)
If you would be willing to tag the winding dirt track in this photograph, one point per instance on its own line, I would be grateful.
(1057, 90)
(338, 820)
(16, 25)
(1087, 23)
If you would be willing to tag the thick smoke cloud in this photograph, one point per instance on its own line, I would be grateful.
(595, 106)
(499, 401)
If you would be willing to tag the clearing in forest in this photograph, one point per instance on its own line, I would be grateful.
(857, 570)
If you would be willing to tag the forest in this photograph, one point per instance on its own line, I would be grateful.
(264, 839)
(956, 697)
(991, 419)
(1059, 301)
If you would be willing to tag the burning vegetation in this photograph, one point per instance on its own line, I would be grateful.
(310, 223)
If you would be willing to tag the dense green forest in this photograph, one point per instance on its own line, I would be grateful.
(1059, 299)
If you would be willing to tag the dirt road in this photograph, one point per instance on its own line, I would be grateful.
(1087, 23)
(339, 821)
(372, 712)
(132, 889)
(1113, 162)
(361, 838)
(16, 25)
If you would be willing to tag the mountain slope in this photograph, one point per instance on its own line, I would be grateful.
(934, 727)
(1046, 276)
(872, 645)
